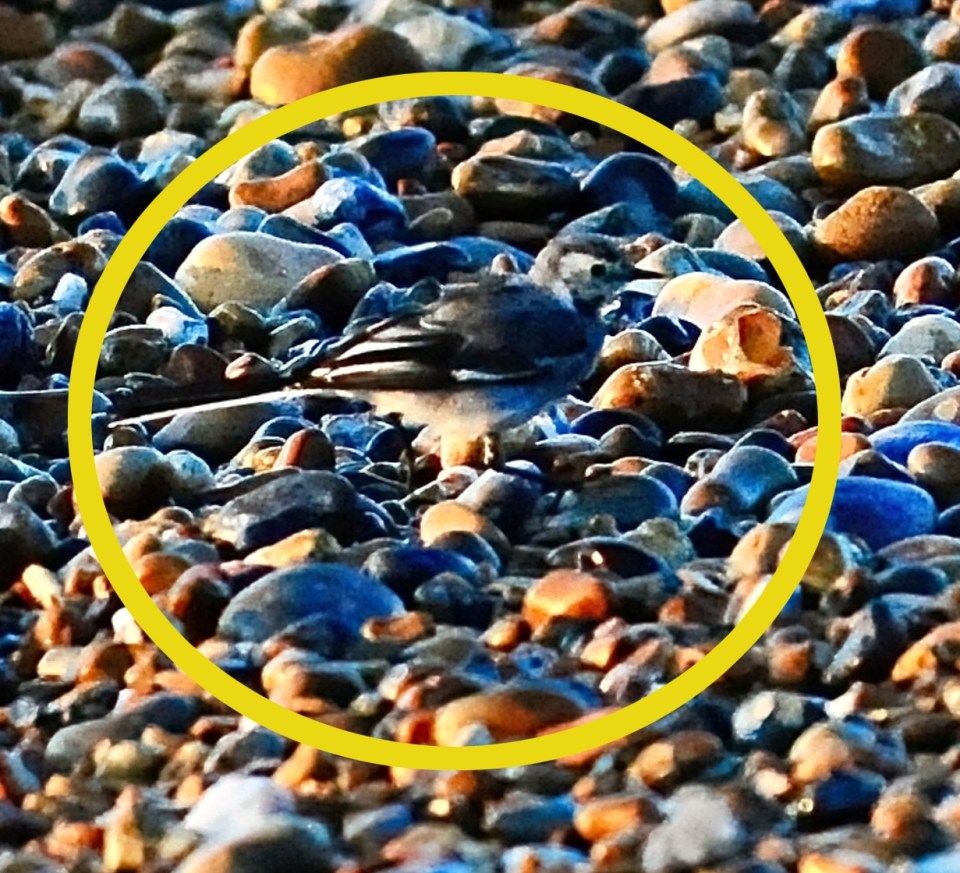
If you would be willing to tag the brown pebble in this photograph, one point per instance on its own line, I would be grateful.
(666, 763)
(351, 54)
(929, 280)
(566, 594)
(157, 571)
(882, 56)
(308, 449)
(876, 223)
(510, 713)
(280, 192)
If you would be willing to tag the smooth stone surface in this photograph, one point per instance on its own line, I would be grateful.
(286, 73)
(875, 223)
(344, 599)
(886, 150)
(255, 270)
(879, 511)
(285, 505)
(894, 382)
(897, 441)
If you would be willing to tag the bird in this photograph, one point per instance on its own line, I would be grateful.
(482, 357)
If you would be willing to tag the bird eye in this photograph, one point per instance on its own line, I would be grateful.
(598, 271)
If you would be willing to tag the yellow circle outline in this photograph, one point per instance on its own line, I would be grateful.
(589, 735)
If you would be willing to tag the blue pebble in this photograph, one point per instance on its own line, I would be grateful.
(91, 183)
(243, 218)
(694, 196)
(201, 213)
(886, 10)
(897, 441)
(285, 227)
(598, 421)
(879, 511)
(340, 595)
(379, 215)
(630, 307)
(71, 294)
(102, 221)
(44, 167)
(630, 178)
(733, 265)
(349, 164)
(347, 236)
(398, 154)
(698, 97)
(768, 439)
(621, 68)
(409, 264)
(16, 342)
(170, 247)
(674, 334)
(403, 569)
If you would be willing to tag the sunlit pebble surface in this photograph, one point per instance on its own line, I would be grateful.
(629, 529)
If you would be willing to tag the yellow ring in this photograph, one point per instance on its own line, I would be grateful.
(299, 727)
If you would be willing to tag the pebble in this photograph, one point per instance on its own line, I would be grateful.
(503, 715)
(258, 271)
(336, 595)
(285, 73)
(877, 222)
(886, 150)
(274, 844)
(897, 381)
(879, 511)
(566, 594)
(882, 56)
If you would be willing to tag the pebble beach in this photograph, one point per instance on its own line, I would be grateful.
(394, 580)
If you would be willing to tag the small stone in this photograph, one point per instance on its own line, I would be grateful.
(894, 382)
(279, 192)
(882, 56)
(745, 344)
(511, 713)
(875, 223)
(705, 298)
(927, 336)
(566, 594)
(506, 185)
(613, 815)
(935, 88)
(262, 32)
(672, 395)
(773, 124)
(286, 73)
(700, 830)
(121, 110)
(663, 764)
(928, 280)
(272, 844)
(256, 270)
(25, 35)
(886, 150)
(879, 511)
(936, 467)
(134, 480)
(694, 19)
(839, 99)
(341, 596)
